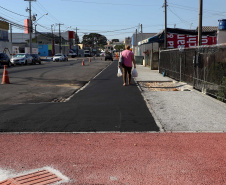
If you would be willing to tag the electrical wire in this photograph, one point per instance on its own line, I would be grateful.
(89, 2)
(46, 11)
(12, 12)
(213, 12)
(182, 20)
(100, 31)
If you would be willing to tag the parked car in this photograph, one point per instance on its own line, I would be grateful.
(58, 57)
(87, 53)
(72, 53)
(102, 54)
(65, 58)
(36, 58)
(108, 56)
(4, 60)
(21, 59)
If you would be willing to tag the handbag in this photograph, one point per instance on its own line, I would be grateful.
(134, 73)
(121, 60)
(119, 72)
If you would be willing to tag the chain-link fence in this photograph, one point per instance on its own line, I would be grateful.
(203, 67)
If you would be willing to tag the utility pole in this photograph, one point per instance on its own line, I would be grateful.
(36, 38)
(77, 40)
(141, 30)
(165, 35)
(60, 38)
(30, 25)
(53, 53)
(11, 37)
(142, 46)
(11, 32)
(136, 37)
(200, 23)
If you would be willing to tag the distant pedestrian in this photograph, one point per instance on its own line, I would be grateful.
(128, 63)
(116, 54)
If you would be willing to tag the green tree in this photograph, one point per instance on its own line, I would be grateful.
(119, 47)
(114, 40)
(92, 38)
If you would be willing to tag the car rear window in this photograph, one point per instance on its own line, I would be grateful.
(20, 55)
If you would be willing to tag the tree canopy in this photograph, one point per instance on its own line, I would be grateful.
(120, 47)
(114, 40)
(92, 39)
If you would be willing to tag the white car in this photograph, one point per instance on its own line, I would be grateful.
(58, 57)
(87, 53)
(72, 54)
(22, 59)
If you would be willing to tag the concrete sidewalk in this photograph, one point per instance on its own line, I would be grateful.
(185, 110)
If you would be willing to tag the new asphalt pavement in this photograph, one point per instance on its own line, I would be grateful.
(104, 104)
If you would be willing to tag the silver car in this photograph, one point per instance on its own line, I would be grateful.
(58, 57)
(21, 59)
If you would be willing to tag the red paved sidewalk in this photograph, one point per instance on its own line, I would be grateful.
(120, 158)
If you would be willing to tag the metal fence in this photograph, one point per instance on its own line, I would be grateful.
(203, 67)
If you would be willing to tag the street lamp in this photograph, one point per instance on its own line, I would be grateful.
(36, 24)
(42, 16)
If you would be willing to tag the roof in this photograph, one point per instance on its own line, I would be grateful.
(159, 37)
(209, 28)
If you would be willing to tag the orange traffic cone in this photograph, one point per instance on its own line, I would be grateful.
(89, 59)
(83, 62)
(5, 78)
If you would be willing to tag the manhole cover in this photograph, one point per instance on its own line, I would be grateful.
(159, 86)
(38, 178)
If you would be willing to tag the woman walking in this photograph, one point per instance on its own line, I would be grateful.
(128, 59)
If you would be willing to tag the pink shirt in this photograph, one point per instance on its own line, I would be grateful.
(127, 58)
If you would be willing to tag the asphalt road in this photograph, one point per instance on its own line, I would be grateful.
(103, 105)
(51, 81)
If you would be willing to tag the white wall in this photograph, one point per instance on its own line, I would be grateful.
(221, 36)
(7, 46)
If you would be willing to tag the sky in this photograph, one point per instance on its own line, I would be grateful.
(114, 19)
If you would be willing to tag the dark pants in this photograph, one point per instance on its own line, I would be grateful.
(125, 71)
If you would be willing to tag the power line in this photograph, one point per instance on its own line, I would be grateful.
(12, 12)
(89, 2)
(50, 14)
(182, 20)
(12, 23)
(195, 9)
(99, 31)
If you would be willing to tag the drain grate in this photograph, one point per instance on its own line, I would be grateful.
(159, 86)
(42, 177)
